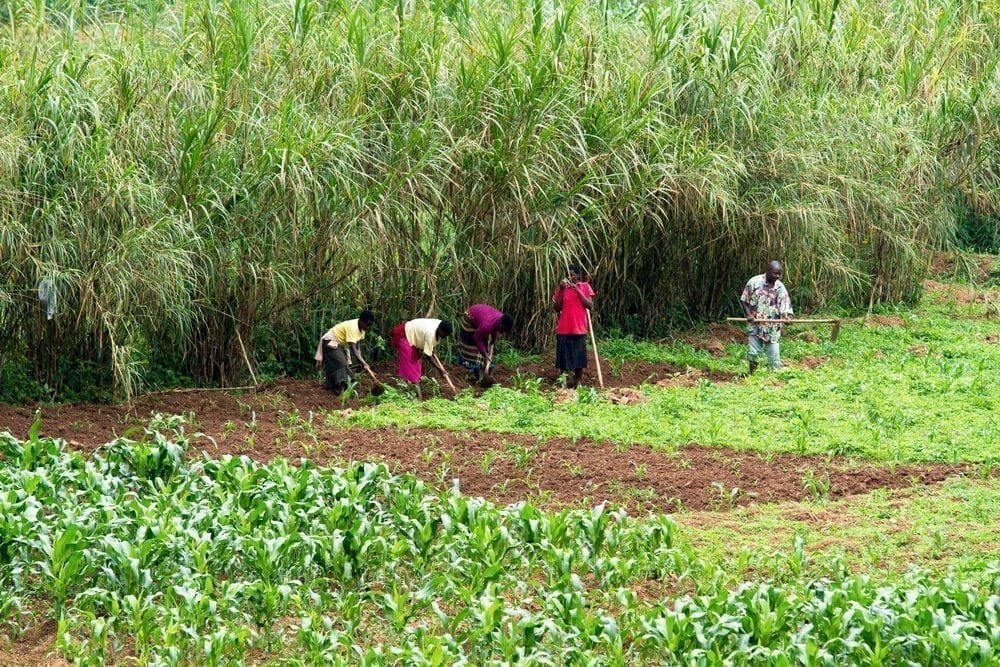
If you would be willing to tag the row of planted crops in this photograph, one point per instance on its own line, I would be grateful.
(137, 550)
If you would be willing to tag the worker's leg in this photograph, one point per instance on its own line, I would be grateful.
(754, 347)
(335, 368)
(773, 355)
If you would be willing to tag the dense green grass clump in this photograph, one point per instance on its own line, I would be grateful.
(136, 553)
(203, 184)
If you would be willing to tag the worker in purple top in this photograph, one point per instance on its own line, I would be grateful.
(481, 327)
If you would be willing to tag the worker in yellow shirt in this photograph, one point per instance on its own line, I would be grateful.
(336, 347)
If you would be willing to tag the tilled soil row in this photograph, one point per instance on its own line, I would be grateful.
(504, 467)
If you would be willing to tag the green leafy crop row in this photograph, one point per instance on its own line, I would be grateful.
(137, 552)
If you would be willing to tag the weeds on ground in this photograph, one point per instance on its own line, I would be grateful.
(873, 399)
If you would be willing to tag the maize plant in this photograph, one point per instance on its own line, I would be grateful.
(142, 554)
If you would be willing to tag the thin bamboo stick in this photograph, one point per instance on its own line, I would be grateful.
(593, 343)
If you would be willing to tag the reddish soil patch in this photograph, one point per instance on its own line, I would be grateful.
(885, 321)
(625, 396)
(962, 295)
(688, 378)
(811, 362)
(37, 646)
(979, 267)
(942, 264)
(727, 333)
(504, 467)
(715, 338)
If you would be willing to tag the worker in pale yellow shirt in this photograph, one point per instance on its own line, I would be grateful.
(338, 345)
(415, 339)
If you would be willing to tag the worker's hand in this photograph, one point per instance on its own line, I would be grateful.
(564, 283)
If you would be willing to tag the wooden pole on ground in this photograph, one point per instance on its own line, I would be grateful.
(593, 343)
(246, 358)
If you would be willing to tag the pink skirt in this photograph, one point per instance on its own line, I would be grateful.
(410, 367)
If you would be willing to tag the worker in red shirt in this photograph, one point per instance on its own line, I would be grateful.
(572, 300)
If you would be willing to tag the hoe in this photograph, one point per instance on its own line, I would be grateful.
(833, 333)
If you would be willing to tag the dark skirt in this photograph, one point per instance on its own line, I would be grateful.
(335, 367)
(469, 355)
(571, 351)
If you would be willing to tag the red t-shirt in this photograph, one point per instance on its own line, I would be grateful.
(573, 316)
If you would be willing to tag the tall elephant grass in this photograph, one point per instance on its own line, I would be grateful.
(200, 179)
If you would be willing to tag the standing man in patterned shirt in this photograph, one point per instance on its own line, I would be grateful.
(765, 298)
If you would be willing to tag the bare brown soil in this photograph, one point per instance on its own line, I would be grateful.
(37, 646)
(503, 467)
(715, 338)
(885, 321)
(620, 374)
(944, 266)
(811, 362)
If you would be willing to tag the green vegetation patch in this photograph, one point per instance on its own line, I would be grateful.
(139, 555)
(921, 386)
(199, 188)
(951, 526)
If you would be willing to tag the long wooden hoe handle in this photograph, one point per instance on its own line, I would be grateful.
(440, 367)
(593, 343)
(790, 321)
(834, 333)
(489, 359)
